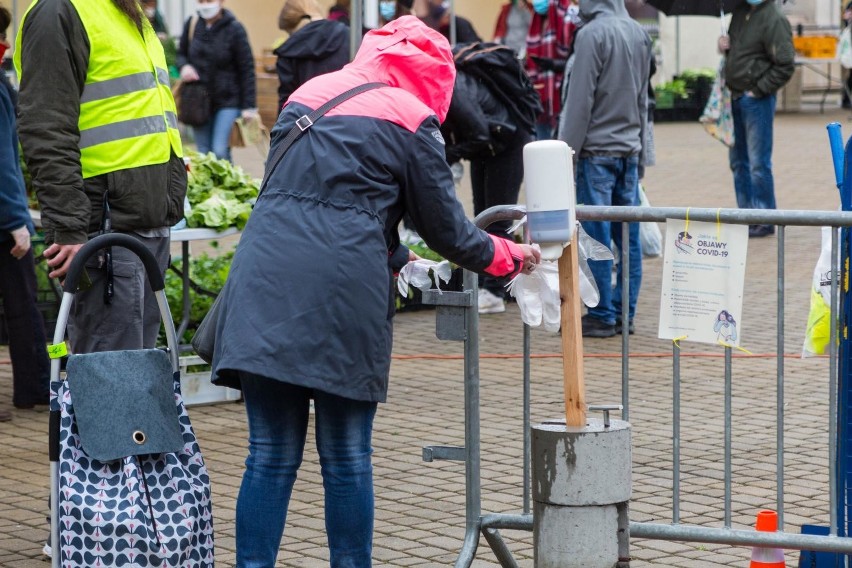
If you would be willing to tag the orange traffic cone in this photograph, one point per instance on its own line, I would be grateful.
(761, 557)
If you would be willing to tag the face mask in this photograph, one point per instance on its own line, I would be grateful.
(540, 7)
(387, 10)
(150, 13)
(754, 2)
(209, 11)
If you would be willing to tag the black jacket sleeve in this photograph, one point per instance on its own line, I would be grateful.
(245, 67)
(469, 135)
(54, 61)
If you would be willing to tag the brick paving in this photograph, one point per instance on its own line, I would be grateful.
(420, 506)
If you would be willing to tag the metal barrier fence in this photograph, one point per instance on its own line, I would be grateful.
(457, 319)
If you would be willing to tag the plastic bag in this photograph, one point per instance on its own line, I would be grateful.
(419, 273)
(844, 48)
(537, 293)
(650, 236)
(718, 118)
(818, 332)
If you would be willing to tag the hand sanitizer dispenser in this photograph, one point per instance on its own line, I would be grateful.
(549, 188)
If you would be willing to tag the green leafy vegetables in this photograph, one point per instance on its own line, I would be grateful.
(220, 194)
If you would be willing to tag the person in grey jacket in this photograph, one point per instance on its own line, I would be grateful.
(604, 122)
(759, 61)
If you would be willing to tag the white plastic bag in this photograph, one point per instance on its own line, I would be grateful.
(650, 236)
(417, 273)
(844, 48)
(818, 332)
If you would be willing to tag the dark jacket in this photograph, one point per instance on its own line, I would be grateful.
(222, 56)
(478, 125)
(310, 294)
(319, 47)
(13, 198)
(761, 56)
(55, 51)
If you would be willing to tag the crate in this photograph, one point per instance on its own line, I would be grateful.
(196, 388)
(816, 47)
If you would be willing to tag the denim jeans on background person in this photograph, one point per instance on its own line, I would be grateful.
(608, 180)
(25, 326)
(751, 155)
(278, 422)
(215, 136)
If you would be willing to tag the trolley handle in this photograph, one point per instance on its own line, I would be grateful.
(75, 271)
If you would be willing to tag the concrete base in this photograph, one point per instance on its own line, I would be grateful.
(575, 537)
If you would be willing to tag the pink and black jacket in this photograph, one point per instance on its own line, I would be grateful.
(310, 295)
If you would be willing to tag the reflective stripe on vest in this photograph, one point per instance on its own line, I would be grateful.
(127, 112)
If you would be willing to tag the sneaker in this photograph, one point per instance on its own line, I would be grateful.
(594, 327)
(761, 230)
(46, 550)
(630, 329)
(490, 303)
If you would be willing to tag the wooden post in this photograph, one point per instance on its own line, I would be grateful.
(572, 335)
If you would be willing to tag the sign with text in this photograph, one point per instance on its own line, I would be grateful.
(703, 279)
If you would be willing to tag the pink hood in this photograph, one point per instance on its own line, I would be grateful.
(408, 54)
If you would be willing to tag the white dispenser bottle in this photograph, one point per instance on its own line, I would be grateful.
(551, 201)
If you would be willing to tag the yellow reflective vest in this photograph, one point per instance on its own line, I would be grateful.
(127, 113)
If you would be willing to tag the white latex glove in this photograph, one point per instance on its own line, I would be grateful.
(22, 242)
(188, 73)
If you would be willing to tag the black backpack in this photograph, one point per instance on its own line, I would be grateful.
(497, 67)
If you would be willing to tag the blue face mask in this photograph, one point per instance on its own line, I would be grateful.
(387, 10)
(755, 2)
(540, 6)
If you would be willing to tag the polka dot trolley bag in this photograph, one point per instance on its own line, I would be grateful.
(128, 484)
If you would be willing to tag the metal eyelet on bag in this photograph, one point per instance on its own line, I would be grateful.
(139, 437)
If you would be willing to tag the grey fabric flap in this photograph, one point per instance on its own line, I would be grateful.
(124, 403)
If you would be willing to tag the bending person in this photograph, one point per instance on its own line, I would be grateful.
(307, 310)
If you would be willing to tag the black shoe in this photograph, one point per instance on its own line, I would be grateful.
(594, 327)
(761, 230)
(630, 329)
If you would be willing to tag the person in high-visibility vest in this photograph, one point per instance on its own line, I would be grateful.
(98, 129)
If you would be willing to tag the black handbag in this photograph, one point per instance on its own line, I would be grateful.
(193, 103)
(204, 340)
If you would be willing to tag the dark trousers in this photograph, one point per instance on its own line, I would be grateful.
(27, 342)
(496, 180)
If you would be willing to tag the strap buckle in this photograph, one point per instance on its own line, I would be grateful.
(304, 122)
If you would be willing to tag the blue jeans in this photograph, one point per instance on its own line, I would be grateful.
(278, 421)
(751, 155)
(215, 136)
(606, 180)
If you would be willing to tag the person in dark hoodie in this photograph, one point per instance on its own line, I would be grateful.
(30, 366)
(316, 45)
(214, 48)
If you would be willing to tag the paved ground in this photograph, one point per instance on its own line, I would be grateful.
(420, 506)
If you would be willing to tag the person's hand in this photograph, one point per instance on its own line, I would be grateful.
(724, 44)
(750, 94)
(412, 256)
(532, 257)
(249, 114)
(189, 74)
(59, 258)
(22, 242)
